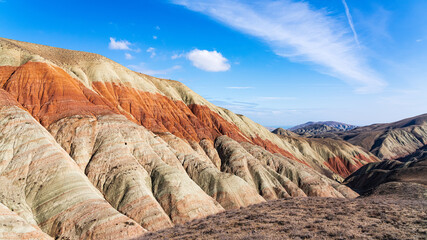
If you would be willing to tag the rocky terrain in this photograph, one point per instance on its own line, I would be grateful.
(310, 129)
(90, 149)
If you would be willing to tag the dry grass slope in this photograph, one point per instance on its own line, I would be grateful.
(378, 217)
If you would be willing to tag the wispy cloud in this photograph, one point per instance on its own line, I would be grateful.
(257, 111)
(297, 31)
(119, 45)
(239, 88)
(129, 56)
(152, 51)
(350, 22)
(376, 24)
(176, 56)
(235, 106)
(143, 69)
(211, 61)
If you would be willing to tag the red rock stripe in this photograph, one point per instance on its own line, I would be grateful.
(47, 92)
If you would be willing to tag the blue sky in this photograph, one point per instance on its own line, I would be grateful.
(280, 63)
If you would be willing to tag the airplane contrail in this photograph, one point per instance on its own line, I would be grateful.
(350, 22)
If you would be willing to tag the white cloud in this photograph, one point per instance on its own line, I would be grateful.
(119, 45)
(154, 37)
(239, 87)
(152, 51)
(143, 69)
(129, 56)
(418, 40)
(211, 61)
(297, 31)
(157, 28)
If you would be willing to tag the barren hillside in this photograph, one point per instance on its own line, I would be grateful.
(388, 141)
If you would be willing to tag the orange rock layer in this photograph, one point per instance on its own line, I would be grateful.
(337, 164)
(345, 168)
(6, 100)
(159, 113)
(271, 147)
(50, 94)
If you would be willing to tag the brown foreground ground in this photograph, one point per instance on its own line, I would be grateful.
(394, 211)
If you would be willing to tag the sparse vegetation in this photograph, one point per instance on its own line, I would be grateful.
(376, 217)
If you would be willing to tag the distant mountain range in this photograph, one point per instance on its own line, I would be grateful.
(388, 141)
(315, 128)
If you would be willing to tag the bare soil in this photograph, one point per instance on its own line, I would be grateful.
(383, 215)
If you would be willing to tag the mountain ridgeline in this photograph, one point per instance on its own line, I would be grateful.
(314, 128)
(388, 141)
